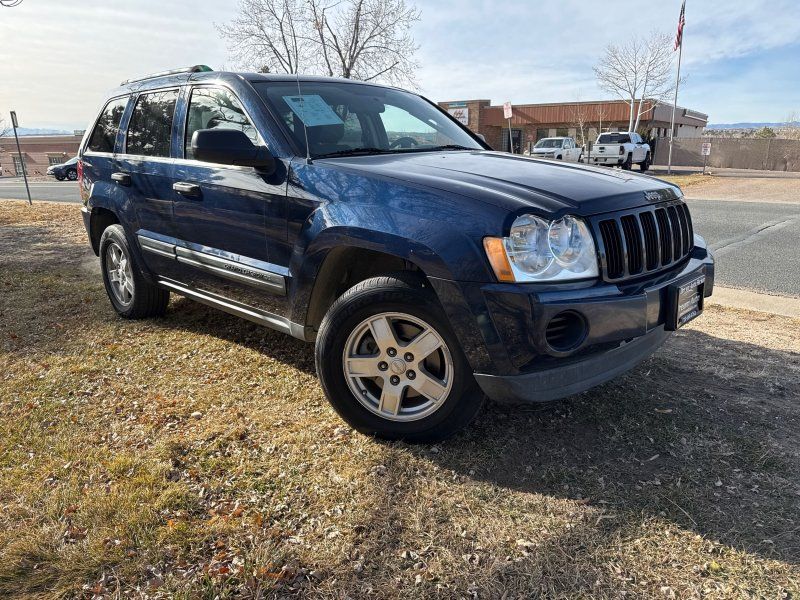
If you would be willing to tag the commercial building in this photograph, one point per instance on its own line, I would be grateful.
(583, 121)
(38, 152)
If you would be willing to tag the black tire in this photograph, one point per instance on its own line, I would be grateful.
(410, 295)
(146, 300)
(645, 164)
(72, 175)
(628, 163)
(60, 177)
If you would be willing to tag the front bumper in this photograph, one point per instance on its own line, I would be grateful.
(624, 324)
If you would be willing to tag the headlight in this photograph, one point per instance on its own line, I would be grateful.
(540, 250)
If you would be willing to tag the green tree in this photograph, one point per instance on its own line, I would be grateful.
(766, 133)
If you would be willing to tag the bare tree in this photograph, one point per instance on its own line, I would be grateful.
(580, 116)
(266, 35)
(639, 72)
(791, 129)
(355, 39)
(4, 131)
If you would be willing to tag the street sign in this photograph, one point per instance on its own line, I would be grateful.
(705, 151)
(14, 119)
(507, 110)
(14, 125)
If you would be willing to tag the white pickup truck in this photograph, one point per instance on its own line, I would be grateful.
(558, 148)
(622, 148)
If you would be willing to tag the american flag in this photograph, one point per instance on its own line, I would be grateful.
(681, 23)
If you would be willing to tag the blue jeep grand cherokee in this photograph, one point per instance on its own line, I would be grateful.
(428, 270)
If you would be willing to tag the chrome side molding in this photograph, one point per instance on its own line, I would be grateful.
(236, 308)
(216, 265)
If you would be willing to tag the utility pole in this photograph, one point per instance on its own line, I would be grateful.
(14, 124)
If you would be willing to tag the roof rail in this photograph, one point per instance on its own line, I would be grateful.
(194, 69)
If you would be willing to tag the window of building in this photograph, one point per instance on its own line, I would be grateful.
(516, 137)
(151, 124)
(104, 135)
(541, 134)
(562, 132)
(17, 165)
(54, 160)
(215, 108)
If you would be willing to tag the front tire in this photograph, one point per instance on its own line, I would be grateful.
(390, 364)
(131, 295)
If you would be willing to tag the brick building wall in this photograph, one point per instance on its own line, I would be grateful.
(532, 122)
(39, 152)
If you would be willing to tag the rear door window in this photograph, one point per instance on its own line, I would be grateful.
(216, 108)
(105, 131)
(150, 128)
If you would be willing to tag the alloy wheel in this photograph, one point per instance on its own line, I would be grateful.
(398, 366)
(120, 276)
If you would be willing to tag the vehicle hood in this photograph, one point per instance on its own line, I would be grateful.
(516, 183)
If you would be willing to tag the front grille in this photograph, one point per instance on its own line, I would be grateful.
(643, 241)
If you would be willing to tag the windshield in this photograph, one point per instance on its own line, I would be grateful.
(548, 143)
(614, 138)
(347, 118)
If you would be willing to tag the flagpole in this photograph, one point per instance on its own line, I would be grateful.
(675, 102)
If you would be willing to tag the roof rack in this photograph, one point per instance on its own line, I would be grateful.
(194, 69)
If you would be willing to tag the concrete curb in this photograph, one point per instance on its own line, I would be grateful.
(777, 305)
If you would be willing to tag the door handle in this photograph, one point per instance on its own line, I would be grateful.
(121, 178)
(190, 190)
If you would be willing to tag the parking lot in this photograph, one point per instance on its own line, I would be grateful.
(196, 455)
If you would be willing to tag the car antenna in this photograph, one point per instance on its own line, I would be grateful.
(303, 118)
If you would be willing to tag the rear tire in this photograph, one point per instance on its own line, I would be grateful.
(626, 166)
(72, 175)
(131, 295)
(376, 340)
(645, 164)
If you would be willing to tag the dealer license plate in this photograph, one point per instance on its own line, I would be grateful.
(686, 302)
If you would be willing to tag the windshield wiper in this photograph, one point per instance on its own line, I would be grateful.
(355, 152)
(442, 147)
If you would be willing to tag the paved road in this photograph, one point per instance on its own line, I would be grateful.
(55, 191)
(755, 242)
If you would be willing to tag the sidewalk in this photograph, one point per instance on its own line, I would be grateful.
(718, 172)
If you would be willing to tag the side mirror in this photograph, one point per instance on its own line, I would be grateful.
(482, 137)
(230, 147)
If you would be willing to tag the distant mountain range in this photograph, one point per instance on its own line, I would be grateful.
(39, 131)
(750, 125)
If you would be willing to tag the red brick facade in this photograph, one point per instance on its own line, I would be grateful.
(39, 152)
(532, 122)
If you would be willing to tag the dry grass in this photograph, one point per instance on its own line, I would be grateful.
(195, 456)
(685, 181)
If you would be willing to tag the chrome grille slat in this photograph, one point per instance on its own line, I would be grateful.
(643, 241)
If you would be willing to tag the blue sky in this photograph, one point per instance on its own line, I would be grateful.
(740, 58)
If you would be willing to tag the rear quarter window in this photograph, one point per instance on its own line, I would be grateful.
(150, 129)
(104, 134)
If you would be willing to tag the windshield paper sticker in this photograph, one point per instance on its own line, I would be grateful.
(313, 110)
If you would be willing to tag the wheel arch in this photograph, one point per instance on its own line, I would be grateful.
(341, 267)
(99, 220)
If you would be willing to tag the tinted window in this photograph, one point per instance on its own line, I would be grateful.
(151, 124)
(216, 108)
(614, 138)
(105, 132)
(361, 118)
